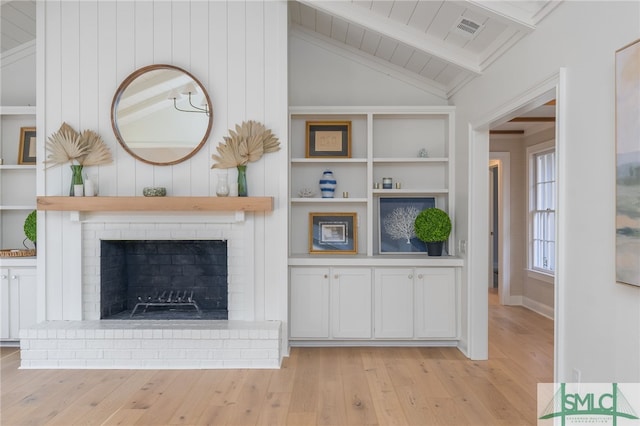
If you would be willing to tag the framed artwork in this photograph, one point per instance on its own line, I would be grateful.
(27, 151)
(628, 164)
(328, 139)
(396, 216)
(333, 233)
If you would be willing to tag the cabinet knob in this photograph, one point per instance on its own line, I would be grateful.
(336, 276)
(420, 276)
(326, 276)
(4, 277)
(13, 277)
(410, 276)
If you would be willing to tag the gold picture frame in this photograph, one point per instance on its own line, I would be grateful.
(328, 139)
(27, 150)
(333, 233)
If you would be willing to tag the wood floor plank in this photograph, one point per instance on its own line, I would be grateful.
(385, 399)
(315, 386)
(196, 400)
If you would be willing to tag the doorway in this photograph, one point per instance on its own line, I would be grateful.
(549, 89)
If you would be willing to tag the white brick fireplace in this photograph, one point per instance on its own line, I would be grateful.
(240, 342)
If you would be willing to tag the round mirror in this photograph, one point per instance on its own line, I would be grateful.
(161, 115)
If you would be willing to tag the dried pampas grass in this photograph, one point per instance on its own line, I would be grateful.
(246, 144)
(86, 148)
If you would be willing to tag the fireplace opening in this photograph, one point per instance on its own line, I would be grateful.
(163, 279)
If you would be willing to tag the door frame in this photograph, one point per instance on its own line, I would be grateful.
(477, 301)
(502, 161)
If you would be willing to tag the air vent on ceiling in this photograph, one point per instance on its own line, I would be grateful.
(465, 27)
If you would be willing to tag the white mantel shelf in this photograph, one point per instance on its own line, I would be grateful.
(185, 204)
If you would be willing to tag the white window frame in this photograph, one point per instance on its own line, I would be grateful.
(532, 152)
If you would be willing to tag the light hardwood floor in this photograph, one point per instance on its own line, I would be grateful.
(315, 386)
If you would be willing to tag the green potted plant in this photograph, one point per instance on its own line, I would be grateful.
(30, 227)
(433, 226)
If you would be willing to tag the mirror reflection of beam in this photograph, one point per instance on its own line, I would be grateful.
(151, 94)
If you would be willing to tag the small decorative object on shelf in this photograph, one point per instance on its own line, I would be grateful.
(433, 226)
(247, 144)
(81, 149)
(398, 185)
(31, 228)
(243, 191)
(327, 184)
(154, 191)
(306, 193)
(89, 188)
(222, 188)
(76, 181)
(387, 183)
(423, 153)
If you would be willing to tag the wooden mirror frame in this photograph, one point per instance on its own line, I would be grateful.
(127, 83)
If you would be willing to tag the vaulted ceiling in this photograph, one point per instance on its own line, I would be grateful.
(442, 44)
(437, 44)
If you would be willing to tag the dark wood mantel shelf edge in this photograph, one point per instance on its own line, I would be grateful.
(185, 204)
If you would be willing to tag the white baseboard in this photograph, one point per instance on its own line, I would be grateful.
(544, 310)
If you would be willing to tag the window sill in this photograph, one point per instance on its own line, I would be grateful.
(541, 276)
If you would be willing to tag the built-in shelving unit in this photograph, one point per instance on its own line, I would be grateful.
(17, 181)
(385, 142)
(373, 296)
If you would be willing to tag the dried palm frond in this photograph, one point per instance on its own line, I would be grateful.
(252, 148)
(97, 151)
(246, 144)
(86, 148)
(64, 146)
(229, 156)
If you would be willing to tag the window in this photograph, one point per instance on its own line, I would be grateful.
(542, 209)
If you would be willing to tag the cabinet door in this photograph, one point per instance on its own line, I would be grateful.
(351, 303)
(436, 303)
(24, 279)
(18, 302)
(309, 303)
(394, 302)
(4, 304)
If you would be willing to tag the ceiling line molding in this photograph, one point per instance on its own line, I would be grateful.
(401, 33)
(369, 61)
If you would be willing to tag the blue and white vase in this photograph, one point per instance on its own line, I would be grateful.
(327, 184)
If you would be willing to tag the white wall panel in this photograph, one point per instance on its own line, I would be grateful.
(92, 46)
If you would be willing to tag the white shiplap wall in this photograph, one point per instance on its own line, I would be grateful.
(237, 49)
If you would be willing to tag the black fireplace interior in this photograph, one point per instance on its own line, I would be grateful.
(148, 279)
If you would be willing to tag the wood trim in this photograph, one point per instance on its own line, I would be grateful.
(506, 132)
(86, 204)
(533, 120)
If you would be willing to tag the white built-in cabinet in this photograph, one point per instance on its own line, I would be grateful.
(372, 296)
(373, 303)
(17, 181)
(17, 300)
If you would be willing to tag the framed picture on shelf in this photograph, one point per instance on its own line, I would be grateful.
(396, 216)
(27, 151)
(333, 233)
(328, 139)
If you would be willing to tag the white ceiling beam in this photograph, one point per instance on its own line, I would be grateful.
(504, 12)
(401, 33)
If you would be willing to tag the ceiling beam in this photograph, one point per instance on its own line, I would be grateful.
(504, 12)
(401, 33)
(506, 132)
(533, 120)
